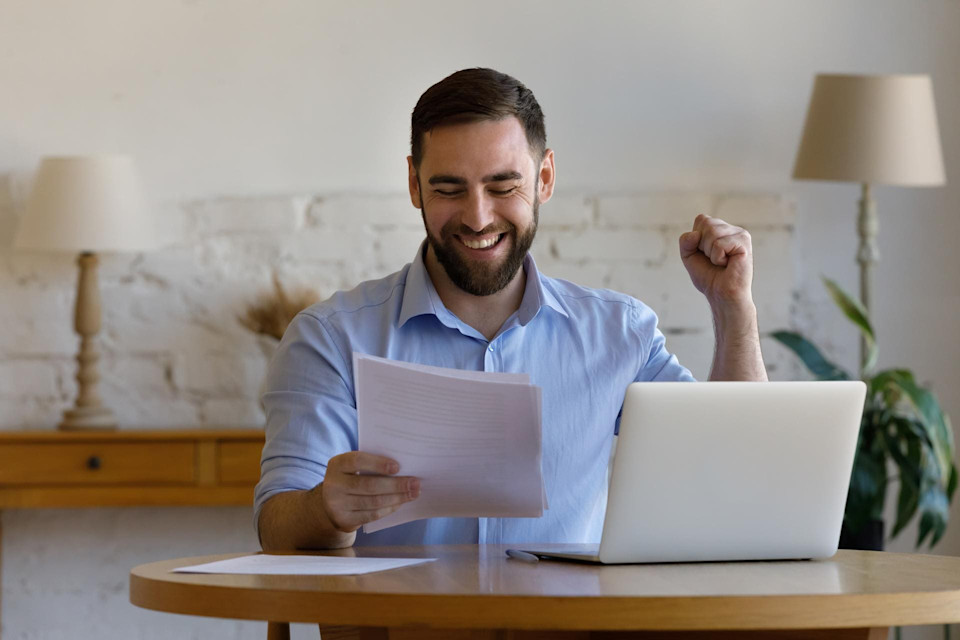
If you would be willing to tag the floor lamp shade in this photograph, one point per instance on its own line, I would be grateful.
(871, 129)
(86, 204)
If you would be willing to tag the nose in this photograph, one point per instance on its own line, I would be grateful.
(478, 212)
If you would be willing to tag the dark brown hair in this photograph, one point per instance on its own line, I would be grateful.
(472, 95)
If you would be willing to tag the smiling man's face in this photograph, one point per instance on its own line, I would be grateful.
(479, 193)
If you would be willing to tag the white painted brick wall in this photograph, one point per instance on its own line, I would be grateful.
(653, 209)
(174, 354)
(171, 314)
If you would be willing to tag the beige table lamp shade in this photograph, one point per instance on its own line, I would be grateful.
(871, 129)
(86, 204)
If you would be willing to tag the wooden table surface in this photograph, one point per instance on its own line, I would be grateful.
(478, 587)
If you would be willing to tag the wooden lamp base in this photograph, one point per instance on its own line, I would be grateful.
(88, 412)
(87, 418)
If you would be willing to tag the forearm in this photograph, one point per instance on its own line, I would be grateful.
(298, 520)
(737, 354)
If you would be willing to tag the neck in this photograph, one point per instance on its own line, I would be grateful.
(486, 314)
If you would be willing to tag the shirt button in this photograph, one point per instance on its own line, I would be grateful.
(491, 348)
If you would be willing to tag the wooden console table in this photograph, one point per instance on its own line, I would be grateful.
(161, 467)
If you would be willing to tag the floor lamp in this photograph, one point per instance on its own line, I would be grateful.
(86, 205)
(871, 130)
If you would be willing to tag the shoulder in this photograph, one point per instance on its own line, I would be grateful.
(332, 328)
(577, 299)
(369, 297)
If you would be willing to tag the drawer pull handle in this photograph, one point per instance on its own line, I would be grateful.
(93, 463)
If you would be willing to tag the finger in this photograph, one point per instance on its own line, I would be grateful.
(360, 518)
(369, 503)
(700, 221)
(375, 485)
(331, 505)
(689, 243)
(712, 231)
(726, 247)
(361, 462)
(703, 221)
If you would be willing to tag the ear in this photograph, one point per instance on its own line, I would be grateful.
(413, 184)
(548, 175)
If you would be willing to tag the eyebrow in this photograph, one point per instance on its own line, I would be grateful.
(502, 176)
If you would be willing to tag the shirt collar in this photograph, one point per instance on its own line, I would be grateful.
(536, 295)
(420, 297)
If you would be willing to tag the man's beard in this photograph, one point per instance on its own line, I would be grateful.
(480, 278)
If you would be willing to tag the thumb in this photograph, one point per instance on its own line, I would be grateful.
(689, 242)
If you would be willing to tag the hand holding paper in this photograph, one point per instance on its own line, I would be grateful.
(353, 493)
(472, 438)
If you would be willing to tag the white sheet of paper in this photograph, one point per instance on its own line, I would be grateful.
(265, 564)
(485, 376)
(473, 438)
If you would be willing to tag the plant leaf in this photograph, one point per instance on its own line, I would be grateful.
(907, 501)
(927, 525)
(926, 407)
(936, 512)
(855, 311)
(952, 483)
(910, 466)
(868, 489)
(815, 361)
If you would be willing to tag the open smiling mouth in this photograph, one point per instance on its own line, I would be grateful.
(482, 243)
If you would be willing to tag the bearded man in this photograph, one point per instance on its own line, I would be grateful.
(473, 299)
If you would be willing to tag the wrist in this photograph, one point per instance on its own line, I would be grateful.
(735, 319)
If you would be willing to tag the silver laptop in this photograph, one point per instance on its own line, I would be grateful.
(711, 471)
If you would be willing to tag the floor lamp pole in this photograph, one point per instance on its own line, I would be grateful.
(868, 254)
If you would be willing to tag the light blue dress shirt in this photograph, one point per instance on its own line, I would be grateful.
(582, 346)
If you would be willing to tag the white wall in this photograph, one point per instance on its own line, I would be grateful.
(247, 99)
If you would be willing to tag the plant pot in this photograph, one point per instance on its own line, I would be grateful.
(868, 538)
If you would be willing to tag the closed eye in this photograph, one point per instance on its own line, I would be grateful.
(503, 192)
(448, 193)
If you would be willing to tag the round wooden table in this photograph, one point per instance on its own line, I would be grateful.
(476, 592)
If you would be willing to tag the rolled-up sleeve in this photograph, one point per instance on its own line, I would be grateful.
(659, 365)
(310, 410)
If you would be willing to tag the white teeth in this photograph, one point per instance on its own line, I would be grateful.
(480, 244)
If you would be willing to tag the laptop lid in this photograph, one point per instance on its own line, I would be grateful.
(710, 471)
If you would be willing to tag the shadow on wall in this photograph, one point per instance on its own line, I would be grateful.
(13, 195)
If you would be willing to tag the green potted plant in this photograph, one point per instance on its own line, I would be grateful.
(902, 424)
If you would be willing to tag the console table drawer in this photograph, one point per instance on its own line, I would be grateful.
(239, 462)
(97, 463)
